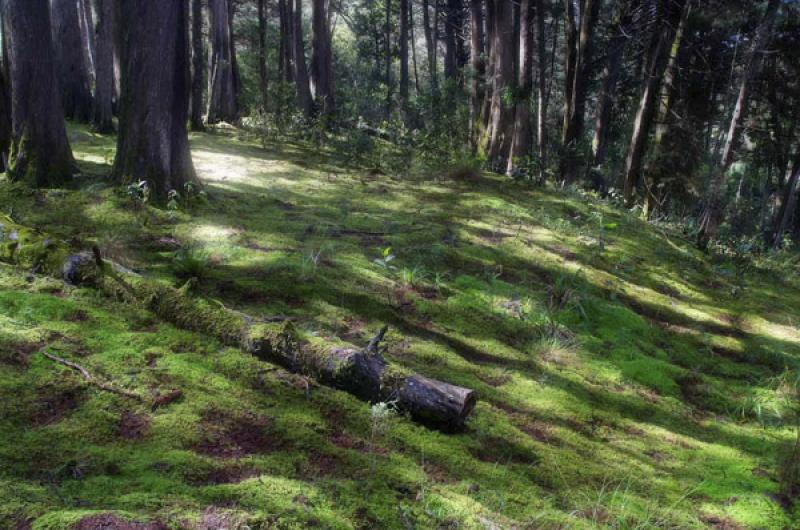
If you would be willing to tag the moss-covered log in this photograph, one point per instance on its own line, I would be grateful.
(363, 373)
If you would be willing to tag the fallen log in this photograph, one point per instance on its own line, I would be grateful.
(364, 373)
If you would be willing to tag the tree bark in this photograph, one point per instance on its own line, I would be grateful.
(222, 95)
(657, 62)
(322, 59)
(72, 60)
(541, 90)
(523, 139)
(788, 205)
(5, 100)
(39, 154)
(502, 114)
(607, 98)
(714, 209)
(87, 26)
(387, 57)
(451, 26)
(153, 143)
(581, 36)
(104, 68)
(478, 73)
(263, 76)
(198, 66)
(404, 12)
(430, 46)
(304, 99)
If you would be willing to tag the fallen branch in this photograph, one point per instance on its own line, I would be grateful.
(89, 378)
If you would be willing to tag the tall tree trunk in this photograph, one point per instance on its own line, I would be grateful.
(222, 95)
(404, 55)
(491, 67)
(570, 60)
(40, 154)
(411, 25)
(451, 26)
(430, 45)
(581, 69)
(478, 73)
(198, 73)
(387, 56)
(788, 205)
(72, 59)
(322, 58)
(541, 90)
(657, 62)
(5, 99)
(237, 75)
(153, 143)
(664, 104)
(715, 208)
(262, 54)
(502, 118)
(523, 139)
(304, 99)
(607, 98)
(104, 68)
(286, 43)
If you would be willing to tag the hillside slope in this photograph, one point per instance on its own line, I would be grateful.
(625, 380)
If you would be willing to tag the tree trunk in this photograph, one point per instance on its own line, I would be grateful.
(714, 208)
(322, 59)
(153, 143)
(478, 73)
(304, 99)
(657, 62)
(262, 54)
(284, 42)
(523, 139)
(222, 96)
(39, 154)
(404, 12)
(387, 56)
(411, 25)
(5, 100)
(87, 25)
(788, 205)
(430, 46)
(104, 68)
(541, 90)
(581, 67)
(502, 114)
(198, 73)
(451, 26)
(607, 98)
(72, 60)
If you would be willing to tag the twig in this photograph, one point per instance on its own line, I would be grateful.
(372, 347)
(108, 387)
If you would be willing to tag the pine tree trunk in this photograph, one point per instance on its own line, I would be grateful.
(714, 208)
(502, 114)
(88, 26)
(656, 62)
(305, 101)
(153, 143)
(5, 101)
(222, 96)
(72, 60)
(198, 66)
(430, 46)
(404, 55)
(451, 25)
(39, 154)
(104, 68)
(788, 205)
(322, 59)
(523, 138)
(541, 90)
(387, 57)
(478, 73)
(262, 54)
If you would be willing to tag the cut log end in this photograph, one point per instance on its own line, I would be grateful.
(437, 403)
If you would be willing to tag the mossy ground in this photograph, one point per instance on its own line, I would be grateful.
(617, 383)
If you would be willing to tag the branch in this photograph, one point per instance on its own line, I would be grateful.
(108, 387)
(372, 347)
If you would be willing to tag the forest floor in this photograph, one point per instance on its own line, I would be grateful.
(625, 380)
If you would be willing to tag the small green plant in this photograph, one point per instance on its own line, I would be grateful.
(381, 415)
(190, 263)
(138, 193)
(565, 294)
(386, 258)
(411, 277)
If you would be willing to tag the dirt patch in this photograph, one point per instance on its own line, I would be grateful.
(233, 435)
(323, 465)
(495, 380)
(17, 354)
(55, 402)
(501, 451)
(26, 524)
(721, 523)
(345, 441)
(112, 522)
(539, 431)
(215, 519)
(563, 252)
(223, 475)
(133, 426)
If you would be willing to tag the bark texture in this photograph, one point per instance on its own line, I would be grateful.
(263, 77)
(478, 72)
(541, 89)
(430, 46)
(153, 143)
(72, 58)
(322, 58)
(198, 66)
(502, 113)
(404, 83)
(40, 154)
(523, 136)
(301, 79)
(104, 68)
(222, 89)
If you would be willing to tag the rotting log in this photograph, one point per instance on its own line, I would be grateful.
(365, 373)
